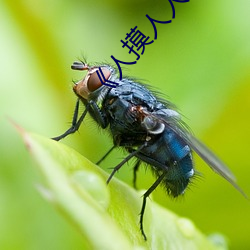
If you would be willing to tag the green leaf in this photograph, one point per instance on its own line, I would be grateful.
(107, 215)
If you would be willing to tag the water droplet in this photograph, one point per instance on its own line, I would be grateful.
(94, 185)
(186, 226)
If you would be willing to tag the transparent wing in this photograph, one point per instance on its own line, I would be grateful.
(208, 156)
(175, 124)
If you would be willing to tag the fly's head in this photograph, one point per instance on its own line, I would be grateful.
(92, 81)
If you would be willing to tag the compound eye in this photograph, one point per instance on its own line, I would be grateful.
(96, 79)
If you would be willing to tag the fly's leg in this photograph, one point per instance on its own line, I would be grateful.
(105, 155)
(75, 124)
(116, 168)
(136, 167)
(145, 196)
(97, 113)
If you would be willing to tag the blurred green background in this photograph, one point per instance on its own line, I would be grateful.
(200, 61)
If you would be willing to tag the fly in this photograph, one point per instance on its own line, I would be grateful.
(149, 128)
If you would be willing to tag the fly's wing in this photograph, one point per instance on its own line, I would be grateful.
(175, 124)
(212, 160)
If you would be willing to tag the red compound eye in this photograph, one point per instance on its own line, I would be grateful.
(94, 82)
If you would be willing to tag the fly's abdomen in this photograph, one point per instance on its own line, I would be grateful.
(178, 176)
(170, 155)
(180, 165)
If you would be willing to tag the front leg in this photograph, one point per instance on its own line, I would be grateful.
(75, 124)
(97, 114)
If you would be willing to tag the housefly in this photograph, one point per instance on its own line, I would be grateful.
(149, 128)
